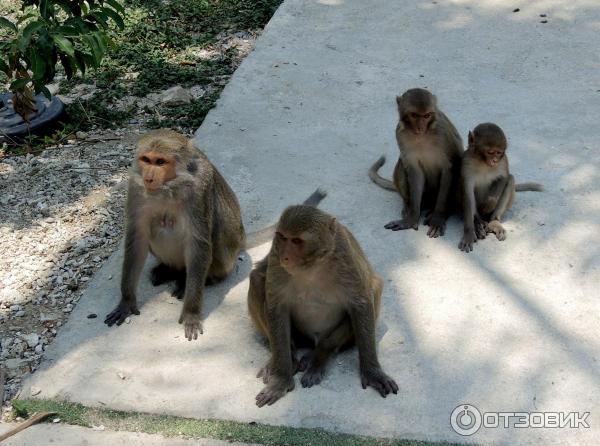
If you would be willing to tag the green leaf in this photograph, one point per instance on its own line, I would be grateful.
(101, 18)
(85, 7)
(31, 28)
(46, 9)
(41, 88)
(95, 48)
(116, 5)
(5, 23)
(64, 44)
(4, 68)
(67, 30)
(81, 62)
(18, 84)
(116, 17)
(68, 65)
(25, 17)
(37, 64)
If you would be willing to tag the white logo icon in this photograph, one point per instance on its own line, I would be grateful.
(465, 419)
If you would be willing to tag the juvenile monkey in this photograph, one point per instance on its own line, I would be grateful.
(182, 210)
(427, 170)
(315, 287)
(488, 187)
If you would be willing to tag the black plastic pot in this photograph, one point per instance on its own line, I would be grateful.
(12, 125)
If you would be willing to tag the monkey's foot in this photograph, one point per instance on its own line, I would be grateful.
(276, 389)
(162, 273)
(191, 325)
(480, 227)
(469, 238)
(313, 376)
(119, 314)
(405, 223)
(496, 227)
(437, 225)
(377, 379)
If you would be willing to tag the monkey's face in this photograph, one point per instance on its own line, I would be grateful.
(419, 122)
(156, 169)
(301, 250)
(492, 155)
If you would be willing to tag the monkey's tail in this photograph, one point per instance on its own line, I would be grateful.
(378, 179)
(533, 187)
(264, 235)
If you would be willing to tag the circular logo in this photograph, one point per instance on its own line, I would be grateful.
(465, 419)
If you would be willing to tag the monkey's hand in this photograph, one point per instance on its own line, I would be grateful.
(437, 225)
(191, 325)
(275, 390)
(469, 238)
(496, 227)
(377, 379)
(119, 314)
(408, 222)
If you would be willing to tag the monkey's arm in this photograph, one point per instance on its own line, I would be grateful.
(470, 211)
(437, 220)
(362, 315)
(281, 380)
(416, 185)
(198, 256)
(136, 251)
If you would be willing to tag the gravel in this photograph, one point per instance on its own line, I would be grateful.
(60, 218)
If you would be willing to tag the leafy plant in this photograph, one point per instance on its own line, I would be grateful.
(46, 32)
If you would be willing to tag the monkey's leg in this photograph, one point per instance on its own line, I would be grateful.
(363, 318)
(316, 361)
(197, 259)
(416, 185)
(437, 219)
(136, 251)
(470, 211)
(494, 193)
(179, 290)
(504, 203)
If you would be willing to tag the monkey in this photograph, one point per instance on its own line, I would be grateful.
(180, 209)
(488, 188)
(315, 287)
(427, 171)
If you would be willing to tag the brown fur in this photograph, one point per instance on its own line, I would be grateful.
(316, 286)
(488, 188)
(427, 170)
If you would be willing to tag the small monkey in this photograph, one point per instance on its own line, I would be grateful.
(488, 187)
(317, 288)
(182, 210)
(427, 171)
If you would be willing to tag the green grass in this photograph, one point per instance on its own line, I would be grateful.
(170, 426)
(160, 42)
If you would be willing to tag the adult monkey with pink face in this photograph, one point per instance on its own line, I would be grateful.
(315, 288)
(427, 172)
(488, 187)
(182, 210)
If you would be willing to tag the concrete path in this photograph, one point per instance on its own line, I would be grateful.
(63, 435)
(512, 327)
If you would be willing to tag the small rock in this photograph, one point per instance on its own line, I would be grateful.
(35, 391)
(39, 349)
(10, 296)
(92, 316)
(81, 135)
(176, 96)
(121, 375)
(13, 363)
(20, 313)
(98, 428)
(32, 339)
(128, 320)
(56, 420)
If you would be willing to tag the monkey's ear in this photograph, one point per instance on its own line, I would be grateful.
(471, 138)
(398, 100)
(332, 225)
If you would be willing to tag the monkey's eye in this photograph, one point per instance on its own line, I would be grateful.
(427, 115)
(145, 159)
(414, 115)
(296, 241)
(280, 236)
(160, 161)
